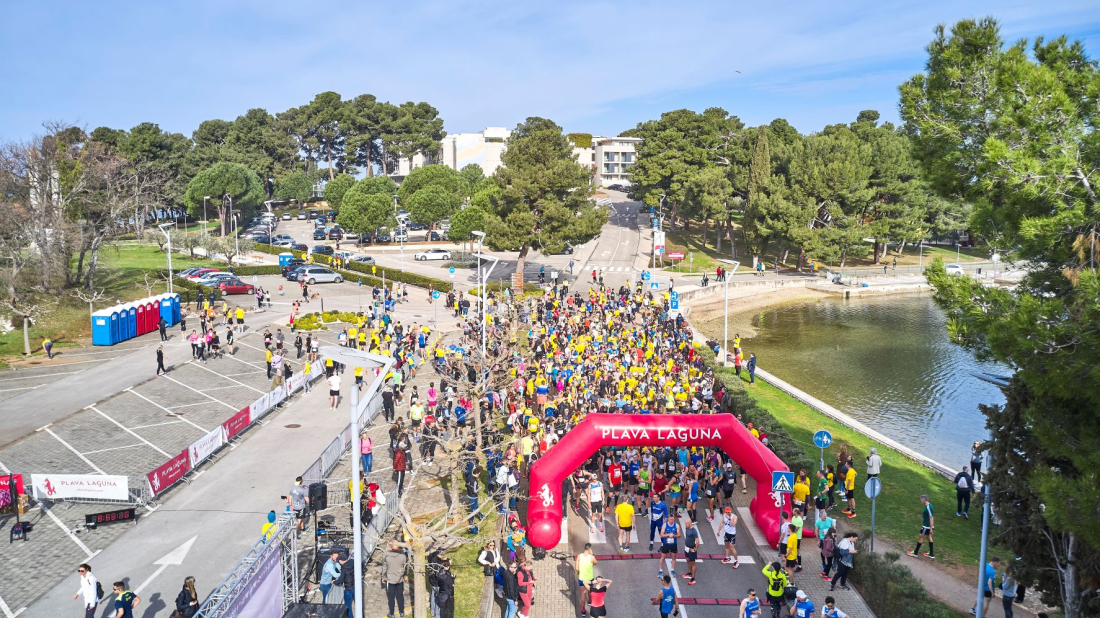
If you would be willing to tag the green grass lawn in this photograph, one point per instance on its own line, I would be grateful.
(898, 508)
(121, 274)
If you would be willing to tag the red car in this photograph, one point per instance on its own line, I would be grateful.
(236, 286)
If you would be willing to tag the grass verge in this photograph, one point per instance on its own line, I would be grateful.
(898, 508)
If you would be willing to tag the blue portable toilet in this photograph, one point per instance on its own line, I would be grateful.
(123, 312)
(131, 319)
(284, 259)
(177, 311)
(164, 301)
(116, 324)
(101, 328)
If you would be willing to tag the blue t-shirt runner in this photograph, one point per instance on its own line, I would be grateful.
(668, 600)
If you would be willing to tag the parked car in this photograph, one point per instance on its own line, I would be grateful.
(416, 227)
(302, 216)
(283, 237)
(212, 280)
(433, 236)
(299, 247)
(287, 216)
(364, 259)
(294, 263)
(954, 269)
(318, 274)
(320, 234)
(335, 233)
(199, 273)
(319, 222)
(262, 240)
(401, 236)
(313, 213)
(383, 237)
(187, 272)
(292, 273)
(433, 254)
(322, 250)
(282, 242)
(235, 286)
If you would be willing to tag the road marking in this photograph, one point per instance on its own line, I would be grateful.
(4, 468)
(229, 378)
(70, 447)
(68, 532)
(159, 424)
(113, 448)
(172, 558)
(676, 588)
(45, 375)
(201, 393)
(242, 361)
(130, 431)
(24, 388)
(174, 414)
(7, 610)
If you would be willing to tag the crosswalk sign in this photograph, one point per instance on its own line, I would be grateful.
(783, 482)
(654, 285)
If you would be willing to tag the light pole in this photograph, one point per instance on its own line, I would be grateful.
(236, 240)
(166, 229)
(397, 231)
(482, 283)
(204, 219)
(358, 358)
(726, 318)
(986, 506)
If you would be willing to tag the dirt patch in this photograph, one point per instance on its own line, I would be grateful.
(708, 315)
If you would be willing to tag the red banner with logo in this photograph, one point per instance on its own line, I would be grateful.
(169, 472)
(6, 497)
(237, 423)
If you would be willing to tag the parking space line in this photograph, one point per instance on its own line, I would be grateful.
(24, 388)
(116, 448)
(230, 379)
(66, 530)
(70, 447)
(4, 468)
(44, 375)
(237, 375)
(242, 361)
(188, 405)
(131, 432)
(159, 424)
(200, 392)
(7, 610)
(174, 414)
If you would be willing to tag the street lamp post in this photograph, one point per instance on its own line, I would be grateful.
(166, 229)
(396, 232)
(205, 221)
(358, 358)
(726, 318)
(236, 239)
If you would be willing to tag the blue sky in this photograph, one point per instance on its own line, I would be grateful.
(598, 67)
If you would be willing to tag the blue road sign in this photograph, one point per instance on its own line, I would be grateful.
(360, 282)
(645, 275)
(823, 439)
(674, 295)
(654, 285)
(783, 482)
(435, 293)
(675, 304)
(452, 270)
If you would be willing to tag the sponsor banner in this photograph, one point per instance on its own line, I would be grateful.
(95, 486)
(261, 406)
(259, 596)
(169, 472)
(295, 383)
(278, 395)
(237, 423)
(205, 446)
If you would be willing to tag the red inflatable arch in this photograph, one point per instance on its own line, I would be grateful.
(544, 508)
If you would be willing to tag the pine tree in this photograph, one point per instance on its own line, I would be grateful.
(760, 170)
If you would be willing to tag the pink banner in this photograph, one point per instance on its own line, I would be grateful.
(237, 423)
(6, 497)
(168, 473)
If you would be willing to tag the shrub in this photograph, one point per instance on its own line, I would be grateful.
(891, 589)
(352, 271)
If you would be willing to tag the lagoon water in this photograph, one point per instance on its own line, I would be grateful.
(886, 361)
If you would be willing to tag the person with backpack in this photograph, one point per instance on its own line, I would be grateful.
(90, 591)
(187, 601)
(827, 546)
(777, 585)
(846, 551)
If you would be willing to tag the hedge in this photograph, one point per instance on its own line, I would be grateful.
(352, 271)
(891, 589)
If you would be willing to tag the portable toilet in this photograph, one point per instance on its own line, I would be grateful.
(116, 324)
(141, 323)
(152, 313)
(101, 328)
(164, 303)
(127, 317)
(284, 259)
(132, 312)
(177, 310)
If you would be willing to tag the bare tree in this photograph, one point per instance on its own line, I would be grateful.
(94, 296)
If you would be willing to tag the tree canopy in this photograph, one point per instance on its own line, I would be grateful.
(225, 184)
(1011, 129)
(335, 190)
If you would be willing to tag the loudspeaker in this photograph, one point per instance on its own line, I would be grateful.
(318, 496)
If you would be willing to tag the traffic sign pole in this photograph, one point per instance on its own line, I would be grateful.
(822, 439)
(872, 488)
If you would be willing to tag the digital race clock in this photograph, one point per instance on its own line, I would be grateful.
(92, 520)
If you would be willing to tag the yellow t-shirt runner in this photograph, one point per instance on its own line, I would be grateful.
(625, 512)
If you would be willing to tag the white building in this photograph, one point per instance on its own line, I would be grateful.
(610, 157)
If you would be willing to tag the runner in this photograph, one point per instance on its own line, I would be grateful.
(657, 514)
(803, 607)
(691, 549)
(830, 610)
(667, 600)
(625, 513)
(670, 531)
(728, 534)
(585, 565)
(596, 592)
(928, 523)
(850, 491)
(750, 605)
(595, 502)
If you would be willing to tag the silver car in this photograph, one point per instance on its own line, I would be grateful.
(318, 274)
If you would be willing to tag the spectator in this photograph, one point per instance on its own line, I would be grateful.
(394, 567)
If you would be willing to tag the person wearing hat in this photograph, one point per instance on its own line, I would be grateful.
(803, 607)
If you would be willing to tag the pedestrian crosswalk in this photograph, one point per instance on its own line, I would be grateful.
(710, 544)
